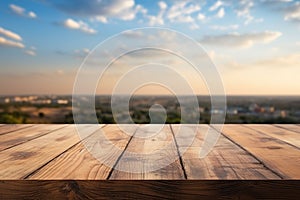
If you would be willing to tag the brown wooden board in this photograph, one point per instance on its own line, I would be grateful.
(79, 163)
(225, 161)
(8, 128)
(278, 156)
(151, 154)
(170, 189)
(290, 127)
(22, 160)
(23, 135)
(290, 137)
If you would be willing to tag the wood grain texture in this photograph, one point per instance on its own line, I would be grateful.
(171, 189)
(225, 161)
(46, 152)
(285, 135)
(278, 156)
(8, 128)
(24, 135)
(24, 159)
(290, 127)
(78, 163)
(150, 155)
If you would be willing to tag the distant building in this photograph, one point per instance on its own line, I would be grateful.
(232, 111)
(42, 101)
(268, 109)
(254, 108)
(62, 101)
(283, 114)
(217, 111)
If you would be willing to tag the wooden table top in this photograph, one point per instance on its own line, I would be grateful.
(47, 152)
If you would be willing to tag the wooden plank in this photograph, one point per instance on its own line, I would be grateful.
(151, 154)
(78, 163)
(20, 136)
(150, 189)
(290, 137)
(281, 158)
(8, 128)
(225, 161)
(22, 160)
(290, 127)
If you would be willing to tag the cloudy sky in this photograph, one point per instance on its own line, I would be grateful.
(254, 43)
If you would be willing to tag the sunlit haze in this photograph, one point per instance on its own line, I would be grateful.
(254, 44)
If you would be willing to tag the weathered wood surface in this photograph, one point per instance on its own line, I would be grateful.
(24, 135)
(291, 127)
(290, 137)
(12, 127)
(226, 161)
(56, 152)
(80, 164)
(147, 151)
(150, 189)
(24, 159)
(276, 155)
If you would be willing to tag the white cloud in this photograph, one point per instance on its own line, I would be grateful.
(119, 9)
(78, 25)
(185, 19)
(221, 13)
(130, 14)
(70, 23)
(162, 5)
(178, 12)
(10, 34)
(22, 11)
(243, 10)
(155, 20)
(17, 9)
(134, 34)
(292, 13)
(10, 43)
(140, 9)
(241, 40)
(225, 28)
(158, 20)
(101, 19)
(182, 11)
(30, 52)
(216, 6)
(275, 2)
(201, 17)
(32, 14)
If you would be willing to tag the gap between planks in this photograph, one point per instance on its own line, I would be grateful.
(251, 154)
(78, 163)
(21, 160)
(278, 134)
(277, 155)
(21, 136)
(8, 128)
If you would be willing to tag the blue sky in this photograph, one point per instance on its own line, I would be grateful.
(254, 43)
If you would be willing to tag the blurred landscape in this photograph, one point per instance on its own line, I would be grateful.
(240, 109)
